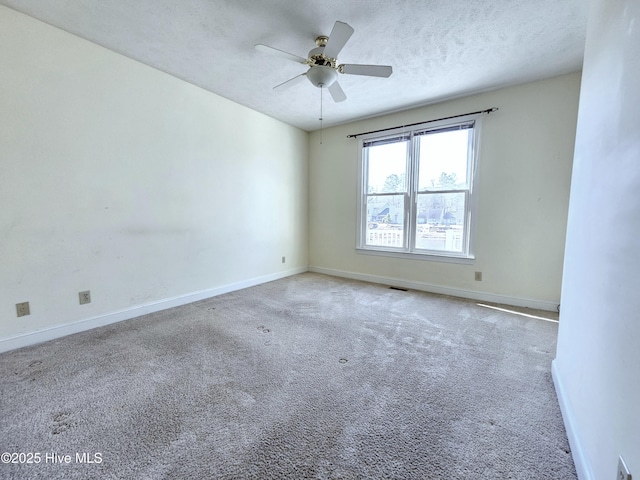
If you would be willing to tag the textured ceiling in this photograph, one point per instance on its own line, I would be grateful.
(439, 49)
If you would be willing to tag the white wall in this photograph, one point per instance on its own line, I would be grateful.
(597, 369)
(125, 181)
(525, 170)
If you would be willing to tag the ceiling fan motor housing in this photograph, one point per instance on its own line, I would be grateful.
(317, 57)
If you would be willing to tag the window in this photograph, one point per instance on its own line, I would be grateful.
(418, 190)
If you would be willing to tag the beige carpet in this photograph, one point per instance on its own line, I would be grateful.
(305, 377)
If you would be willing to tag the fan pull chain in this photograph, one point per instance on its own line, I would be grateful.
(320, 115)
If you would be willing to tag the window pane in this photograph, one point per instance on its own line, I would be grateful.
(443, 160)
(440, 221)
(385, 221)
(387, 168)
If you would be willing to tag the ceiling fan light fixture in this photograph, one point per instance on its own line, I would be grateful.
(322, 77)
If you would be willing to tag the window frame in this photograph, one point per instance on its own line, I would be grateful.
(411, 193)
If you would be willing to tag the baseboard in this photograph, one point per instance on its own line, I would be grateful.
(59, 331)
(455, 292)
(583, 467)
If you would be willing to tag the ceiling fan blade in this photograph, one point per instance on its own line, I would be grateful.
(291, 82)
(336, 92)
(369, 70)
(339, 35)
(279, 53)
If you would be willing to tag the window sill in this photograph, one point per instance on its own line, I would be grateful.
(460, 259)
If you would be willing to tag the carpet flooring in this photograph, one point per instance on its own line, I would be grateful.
(306, 377)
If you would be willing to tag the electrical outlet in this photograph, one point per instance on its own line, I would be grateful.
(85, 297)
(478, 276)
(22, 309)
(283, 259)
(623, 471)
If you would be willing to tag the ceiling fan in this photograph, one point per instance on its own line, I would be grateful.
(323, 65)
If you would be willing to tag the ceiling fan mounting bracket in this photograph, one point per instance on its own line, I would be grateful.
(322, 40)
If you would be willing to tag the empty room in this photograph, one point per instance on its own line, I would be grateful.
(340, 239)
